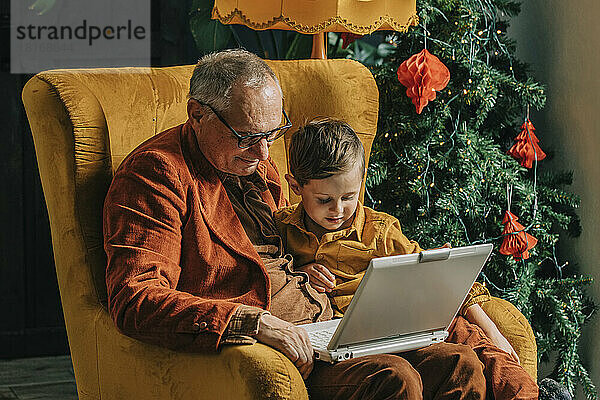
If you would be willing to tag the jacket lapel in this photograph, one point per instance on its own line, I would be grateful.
(215, 206)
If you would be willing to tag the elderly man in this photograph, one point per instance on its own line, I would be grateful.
(195, 262)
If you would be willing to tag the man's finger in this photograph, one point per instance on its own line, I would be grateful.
(291, 353)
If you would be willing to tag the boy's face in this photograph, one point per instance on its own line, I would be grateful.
(331, 202)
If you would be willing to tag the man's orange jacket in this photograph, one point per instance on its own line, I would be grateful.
(179, 261)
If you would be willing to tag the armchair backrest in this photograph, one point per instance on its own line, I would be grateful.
(84, 122)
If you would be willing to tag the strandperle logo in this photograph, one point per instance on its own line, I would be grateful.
(82, 32)
(50, 34)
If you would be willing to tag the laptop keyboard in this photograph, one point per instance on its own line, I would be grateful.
(322, 337)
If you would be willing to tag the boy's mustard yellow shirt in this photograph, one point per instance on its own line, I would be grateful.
(347, 252)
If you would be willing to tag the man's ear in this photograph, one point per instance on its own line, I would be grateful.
(293, 183)
(195, 110)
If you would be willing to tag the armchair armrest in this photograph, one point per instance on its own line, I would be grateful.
(516, 329)
(128, 368)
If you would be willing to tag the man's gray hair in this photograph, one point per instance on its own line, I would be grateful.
(216, 73)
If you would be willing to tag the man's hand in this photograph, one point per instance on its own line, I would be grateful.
(289, 339)
(320, 277)
(476, 315)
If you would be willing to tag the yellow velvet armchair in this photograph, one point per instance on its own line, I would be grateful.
(84, 122)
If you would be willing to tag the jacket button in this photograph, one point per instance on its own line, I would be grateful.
(199, 326)
(320, 257)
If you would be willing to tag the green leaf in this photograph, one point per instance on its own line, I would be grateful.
(209, 34)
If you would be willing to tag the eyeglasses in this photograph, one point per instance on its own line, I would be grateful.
(250, 139)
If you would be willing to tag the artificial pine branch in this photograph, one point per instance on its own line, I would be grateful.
(444, 173)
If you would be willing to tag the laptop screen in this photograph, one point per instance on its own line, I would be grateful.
(413, 293)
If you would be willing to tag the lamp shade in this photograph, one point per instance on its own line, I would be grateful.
(361, 17)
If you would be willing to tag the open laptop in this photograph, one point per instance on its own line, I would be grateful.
(402, 303)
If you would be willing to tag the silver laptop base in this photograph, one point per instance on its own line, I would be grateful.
(389, 346)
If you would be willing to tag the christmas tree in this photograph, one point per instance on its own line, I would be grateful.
(464, 166)
(460, 171)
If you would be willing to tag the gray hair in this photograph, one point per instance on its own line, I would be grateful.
(216, 73)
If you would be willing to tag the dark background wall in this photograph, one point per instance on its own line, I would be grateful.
(31, 321)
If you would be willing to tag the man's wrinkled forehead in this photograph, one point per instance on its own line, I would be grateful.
(254, 100)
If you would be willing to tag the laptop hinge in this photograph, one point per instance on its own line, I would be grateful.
(434, 255)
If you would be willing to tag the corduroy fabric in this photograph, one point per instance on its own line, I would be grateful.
(194, 264)
(441, 371)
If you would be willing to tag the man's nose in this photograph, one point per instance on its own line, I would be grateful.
(261, 149)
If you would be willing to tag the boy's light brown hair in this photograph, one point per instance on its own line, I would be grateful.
(322, 148)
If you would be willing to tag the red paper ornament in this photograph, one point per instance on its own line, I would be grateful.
(526, 148)
(348, 38)
(516, 244)
(423, 74)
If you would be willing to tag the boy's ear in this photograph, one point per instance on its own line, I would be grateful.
(293, 184)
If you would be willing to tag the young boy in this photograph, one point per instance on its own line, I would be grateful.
(332, 237)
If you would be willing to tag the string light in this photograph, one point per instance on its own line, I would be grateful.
(487, 92)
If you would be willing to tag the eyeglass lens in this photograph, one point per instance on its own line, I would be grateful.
(249, 141)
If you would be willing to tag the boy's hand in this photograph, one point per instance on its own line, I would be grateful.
(502, 343)
(477, 316)
(320, 277)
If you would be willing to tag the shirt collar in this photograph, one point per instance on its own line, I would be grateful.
(243, 181)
